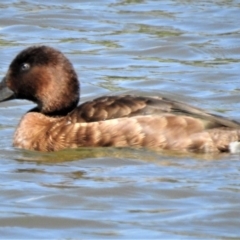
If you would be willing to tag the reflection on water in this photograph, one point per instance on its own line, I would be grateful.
(120, 153)
(188, 50)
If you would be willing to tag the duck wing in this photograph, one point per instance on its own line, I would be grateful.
(110, 107)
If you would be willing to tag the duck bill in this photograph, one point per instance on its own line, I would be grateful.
(5, 93)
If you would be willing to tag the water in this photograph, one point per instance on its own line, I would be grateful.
(188, 50)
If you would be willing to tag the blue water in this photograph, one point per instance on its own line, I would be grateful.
(187, 50)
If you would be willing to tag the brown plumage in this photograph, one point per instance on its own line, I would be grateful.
(45, 76)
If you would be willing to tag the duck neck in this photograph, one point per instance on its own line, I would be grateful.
(56, 113)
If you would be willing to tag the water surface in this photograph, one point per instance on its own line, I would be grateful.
(188, 50)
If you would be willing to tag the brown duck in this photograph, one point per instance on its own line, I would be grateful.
(45, 76)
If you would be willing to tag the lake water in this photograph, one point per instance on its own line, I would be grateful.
(188, 50)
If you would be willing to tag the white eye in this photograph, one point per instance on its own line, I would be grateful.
(25, 66)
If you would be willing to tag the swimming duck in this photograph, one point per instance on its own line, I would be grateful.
(45, 76)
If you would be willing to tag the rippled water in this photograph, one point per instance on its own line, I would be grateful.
(184, 49)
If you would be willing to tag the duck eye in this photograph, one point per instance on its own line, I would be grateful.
(25, 66)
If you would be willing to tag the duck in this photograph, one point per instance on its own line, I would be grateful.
(45, 76)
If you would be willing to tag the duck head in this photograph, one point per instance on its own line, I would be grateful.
(45, 76)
